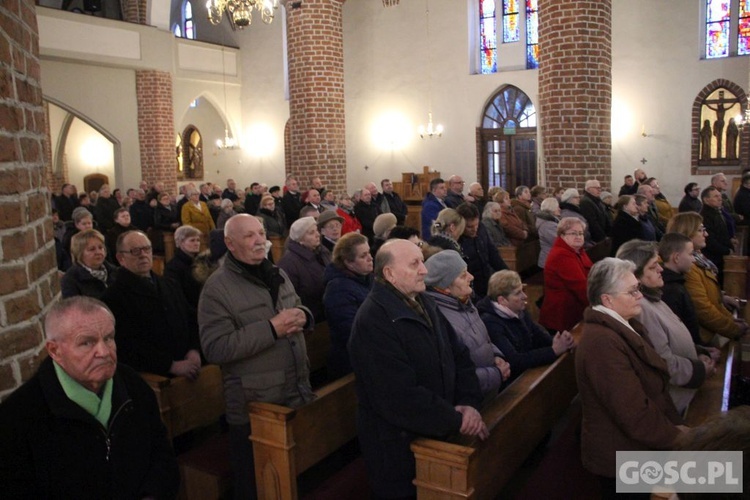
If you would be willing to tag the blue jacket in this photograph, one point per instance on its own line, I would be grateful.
(345, 292)
(524, 343)
(431, 207)
(410, 375)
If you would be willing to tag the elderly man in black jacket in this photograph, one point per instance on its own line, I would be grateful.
(413, 376)
(156, 330)
(84, 426)
(592, 207)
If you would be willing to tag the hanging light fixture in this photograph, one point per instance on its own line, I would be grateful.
(228, 142)
(430, 130)
(240, 12)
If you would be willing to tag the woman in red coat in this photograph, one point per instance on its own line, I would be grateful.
(565, 275)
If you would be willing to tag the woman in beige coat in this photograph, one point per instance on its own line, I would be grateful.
(688, 366)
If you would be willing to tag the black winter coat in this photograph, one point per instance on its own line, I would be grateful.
(154, 325)
(51, 448)
(718, 242)
(482, 258)
(78, 281)
(409, 377)
(600, 225)
(180, 270)
(625, 228)
(676, 296)
(345, 292)
(524, 343)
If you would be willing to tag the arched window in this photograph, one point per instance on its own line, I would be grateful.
(507, 140)
(187, 23)
(192, 154)
(717, 118)
(510, 32)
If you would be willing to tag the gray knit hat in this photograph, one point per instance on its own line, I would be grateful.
(383, 223)
(443, 268)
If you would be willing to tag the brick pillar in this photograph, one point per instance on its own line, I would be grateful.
(156, 133)
(134, 11)
(316, 93)
(29, 281)
(575, 90)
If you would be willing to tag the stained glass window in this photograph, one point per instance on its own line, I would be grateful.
(743, 31)
(510, 108)
(717, 28)
(511, 31)
(532, 34)
(188, 16)
(487, 36)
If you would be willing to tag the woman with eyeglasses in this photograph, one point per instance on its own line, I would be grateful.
(688, 367)
(712, 306)
(622, 381)
(565, 273)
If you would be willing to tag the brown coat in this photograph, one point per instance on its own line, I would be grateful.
(513, 226)
(624, 388)
(523, 211)
(713, 317)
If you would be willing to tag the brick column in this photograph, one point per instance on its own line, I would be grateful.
(29, 281)
(134, 11)
(317, 129)
(575, 90)
(156, 134)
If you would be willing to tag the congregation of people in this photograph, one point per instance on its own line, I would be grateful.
(431, 322)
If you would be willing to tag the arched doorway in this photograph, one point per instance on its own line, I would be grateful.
(508, 140)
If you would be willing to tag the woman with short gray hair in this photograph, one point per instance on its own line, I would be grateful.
(491, 221)
(621, 378)
(547, 219)
(227, 211)
(667, 333)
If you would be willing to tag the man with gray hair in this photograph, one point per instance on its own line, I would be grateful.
(251, 324)
(413, 376)
(455, 195)
(84, 426)
(593, 209)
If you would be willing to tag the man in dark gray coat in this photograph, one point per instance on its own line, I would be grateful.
(413, 376)
(251, 324)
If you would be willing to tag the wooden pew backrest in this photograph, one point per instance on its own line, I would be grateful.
(518, 419)
(185, 404)
(287, 442)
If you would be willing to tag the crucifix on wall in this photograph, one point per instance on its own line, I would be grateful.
(719, 133)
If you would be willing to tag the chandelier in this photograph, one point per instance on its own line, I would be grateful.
(390, 3)
(228, 142)
(241, 11)
(430, 130)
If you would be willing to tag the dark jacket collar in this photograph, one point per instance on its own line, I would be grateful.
(396, 309)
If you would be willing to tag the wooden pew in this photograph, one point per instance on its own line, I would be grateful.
(518, 419)
(523, 258)
(318, 344)
(287, 442)
(186, 404)
(277, 250)
(715, 394)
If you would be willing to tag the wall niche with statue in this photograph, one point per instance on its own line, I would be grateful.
(189, 154)
(719, 142)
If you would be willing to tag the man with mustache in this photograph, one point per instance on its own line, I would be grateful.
(84, 426)
(251, 324)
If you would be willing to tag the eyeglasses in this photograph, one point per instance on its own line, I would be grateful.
(633, 292)
(136, 251)
(575, 233)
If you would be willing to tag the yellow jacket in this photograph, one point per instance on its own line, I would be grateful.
(713, 317)
(199, 219)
